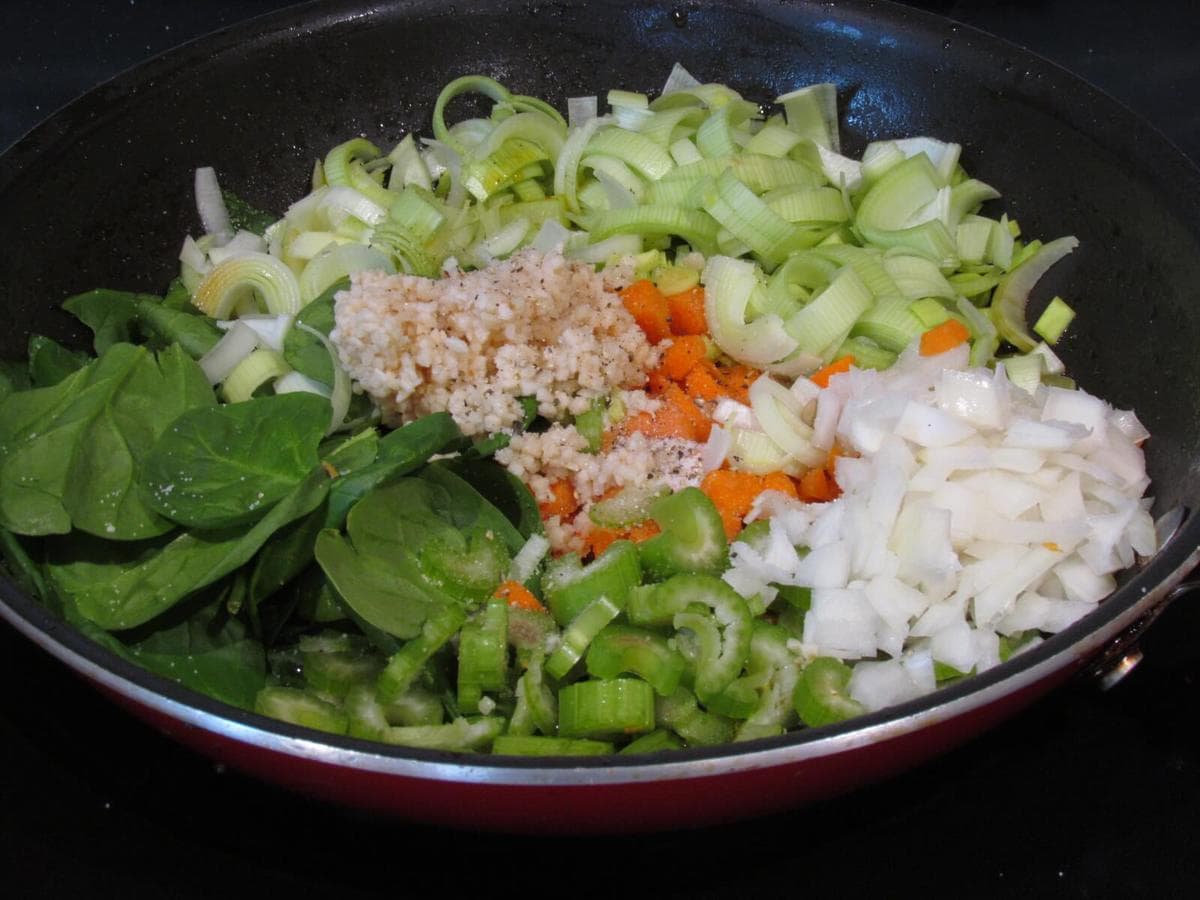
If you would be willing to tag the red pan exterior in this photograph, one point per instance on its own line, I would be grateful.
(887, 65)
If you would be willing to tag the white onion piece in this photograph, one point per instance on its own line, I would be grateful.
(210, 204)
(526, 561)
(234, 346)
(680, 79)
(716, 449)
(295, 382)
(339, 397)
(553, 235)
(271, 330)
(191, 255)
(581, 110)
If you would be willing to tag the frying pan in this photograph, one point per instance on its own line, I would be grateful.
(1068, 160)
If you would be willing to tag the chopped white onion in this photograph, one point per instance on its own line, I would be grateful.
(235, 345)
(210, 204)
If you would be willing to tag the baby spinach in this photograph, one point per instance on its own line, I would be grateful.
(245, 216)
(378, 566)
(71, 454)
(226, 465)
(399, 452)
(502, 490)
(210, 652)
(50, 362)
(25, 573)
(122, 586)
(123, 316)
(14, 376)
(303, 351)
(467, 509)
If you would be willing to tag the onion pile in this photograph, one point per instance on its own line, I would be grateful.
(971, 510)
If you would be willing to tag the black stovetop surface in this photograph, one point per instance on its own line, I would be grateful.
(1088, 794)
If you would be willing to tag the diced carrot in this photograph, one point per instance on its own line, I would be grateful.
(599, 539)
(676, 417)
(698, 424)
(687, 312)
(564, 502)
(837, 367)
(642, 530)
(682, 356)
(733, 494)
(648, 307)
(944, 337)
(518, 596)
(816, 486)
(736, 381)
(702, 383)
(778, 481)
(657, 380)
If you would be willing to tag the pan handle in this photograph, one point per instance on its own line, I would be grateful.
(1124, 652)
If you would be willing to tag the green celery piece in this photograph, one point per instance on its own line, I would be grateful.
(605, 709)
(72, 453)
(820, 697)
(580, 633)
(590, 424)
(682, 715)
(442, 623)
(692, 538)
(119, 586)
(724, 631)
(333, 670)
(459, 735)
(536, 745)
(483, 655)
(1054, 320)
(621, 649)
(416, 706)
(301, 708)
(227, 465)
(570, 587)
(653, 742)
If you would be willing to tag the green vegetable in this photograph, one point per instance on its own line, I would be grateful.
(119, 586)
(820, 696)
(227, 465)
(72, 454)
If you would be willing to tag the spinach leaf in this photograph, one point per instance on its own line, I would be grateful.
(468, 509)
(210, 652)
(502, 489)
(284, 557)
(349, 454)
(226, 465)
(110, 315)
(118, 586)
(72, 454)
(400, 452)
(244, 216)
(177, 296)
(161, 325)
(387, 593)
(14, 376)
(50, 362)
(25, 573)
(302, 350)
(121, 316)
